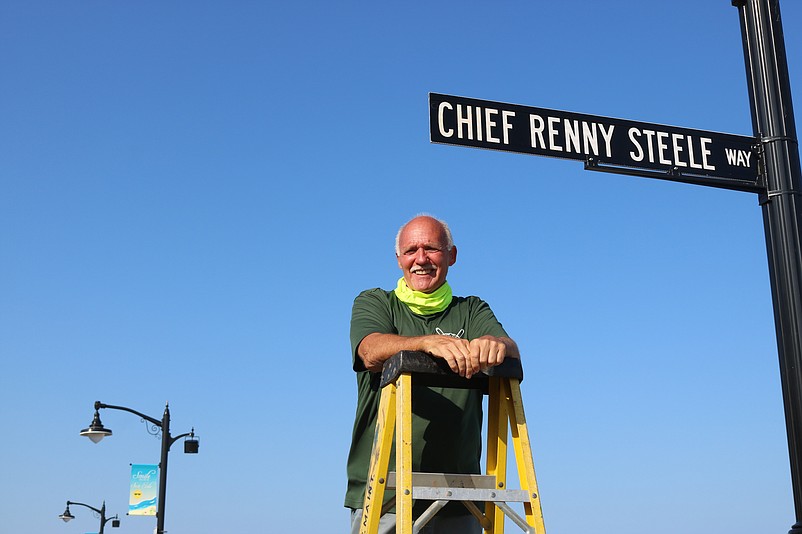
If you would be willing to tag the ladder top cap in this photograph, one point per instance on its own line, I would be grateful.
(433, 371)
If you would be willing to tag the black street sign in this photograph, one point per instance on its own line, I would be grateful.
(598, 141)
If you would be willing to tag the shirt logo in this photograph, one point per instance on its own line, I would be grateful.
(458, 335)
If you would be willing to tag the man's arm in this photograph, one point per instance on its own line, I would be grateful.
(464, 357)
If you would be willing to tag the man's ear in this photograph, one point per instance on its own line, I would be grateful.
(453, 259)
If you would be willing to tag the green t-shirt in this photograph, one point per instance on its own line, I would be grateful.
(446, 422)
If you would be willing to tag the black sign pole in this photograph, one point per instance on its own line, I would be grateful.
(773, 124)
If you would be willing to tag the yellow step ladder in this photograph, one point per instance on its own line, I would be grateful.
(505, 413)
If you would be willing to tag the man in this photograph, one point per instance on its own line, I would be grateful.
(421, 314)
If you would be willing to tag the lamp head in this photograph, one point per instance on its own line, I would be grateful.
(66, 516)
(191, 443)
(96, 431)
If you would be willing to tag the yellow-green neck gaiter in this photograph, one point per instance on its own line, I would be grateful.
(424, 303)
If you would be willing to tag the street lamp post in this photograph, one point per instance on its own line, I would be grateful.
(96, 432)
(773, 124)
(67, 516)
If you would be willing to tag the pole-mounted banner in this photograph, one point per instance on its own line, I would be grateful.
(144, 485)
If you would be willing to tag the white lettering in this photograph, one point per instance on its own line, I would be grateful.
(706, 152)
(632, 133)
(536, 125)
(746, 154)
(489, 124)
(674, 149)
(738, 157)
(661, 146)
(505, 123)
(589, 138)
(443, 131)
(608, 138)
(572, 136)
(649, 134)
(677, 149)
(464, 120)
(691, 159)
(553, 134)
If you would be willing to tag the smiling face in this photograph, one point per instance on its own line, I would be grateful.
(423, 254)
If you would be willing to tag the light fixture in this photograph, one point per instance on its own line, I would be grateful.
(191, 443)
(66, 516)
(96, 430)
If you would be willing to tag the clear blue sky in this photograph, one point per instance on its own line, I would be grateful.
(192, 193)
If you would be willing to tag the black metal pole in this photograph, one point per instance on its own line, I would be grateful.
(102, 518)
(166, 442)
(773, 125)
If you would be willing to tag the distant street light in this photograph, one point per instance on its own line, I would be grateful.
(67, 516)
(96, 432)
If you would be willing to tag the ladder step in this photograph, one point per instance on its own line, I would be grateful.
(454, 487)
(447, 480)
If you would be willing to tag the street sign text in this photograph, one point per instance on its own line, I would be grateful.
(529, 130)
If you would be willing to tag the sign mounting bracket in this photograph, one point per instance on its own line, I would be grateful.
(674, 174)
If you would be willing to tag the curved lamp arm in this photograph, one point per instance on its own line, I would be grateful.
(99, 405)
(102, 512)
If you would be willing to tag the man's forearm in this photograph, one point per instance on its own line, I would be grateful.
(377, 348)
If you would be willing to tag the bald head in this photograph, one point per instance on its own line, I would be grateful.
(425, 251)
(448, 240)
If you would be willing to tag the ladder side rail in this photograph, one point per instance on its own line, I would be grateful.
(496, 456)
(403, 454)
(523, 454)
(379, 462)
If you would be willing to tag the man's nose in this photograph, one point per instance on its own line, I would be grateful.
(420, 256)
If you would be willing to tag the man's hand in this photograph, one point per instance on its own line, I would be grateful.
(466, 358)
(488, 351)
(455, 351)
